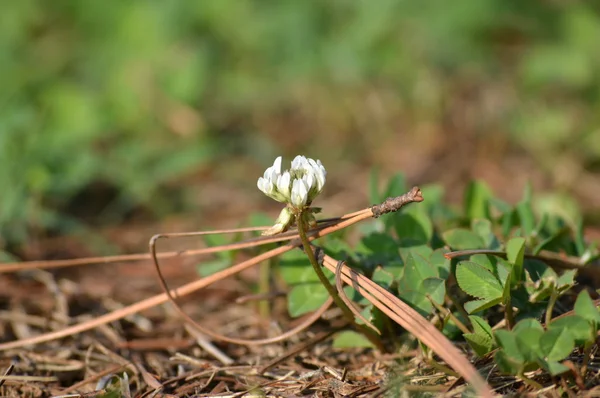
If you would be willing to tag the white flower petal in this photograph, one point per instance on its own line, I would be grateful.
(320, 176)
(297, 186)
(299, 162)
(283, 184)
(309, 180)
(277, 165)
(261, 184)
(299, 193)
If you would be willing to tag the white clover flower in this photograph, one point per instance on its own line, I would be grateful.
(298, 186)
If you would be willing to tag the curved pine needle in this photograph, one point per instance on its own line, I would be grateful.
(351, 305)
(414, 323)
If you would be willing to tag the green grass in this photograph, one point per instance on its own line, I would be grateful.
(135, 96)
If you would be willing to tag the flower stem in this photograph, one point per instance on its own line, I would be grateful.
(368, 333)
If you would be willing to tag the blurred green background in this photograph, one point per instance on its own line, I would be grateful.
(116, 112)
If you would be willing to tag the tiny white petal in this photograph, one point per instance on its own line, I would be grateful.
(309, 179)
(261, 183)
(277, 165)
(299, 193)
(283, 183)
(297, 186)
(320, 176)
(298, 162)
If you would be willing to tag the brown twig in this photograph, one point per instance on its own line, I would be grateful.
(394, 204)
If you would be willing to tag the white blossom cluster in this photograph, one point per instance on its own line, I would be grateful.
(297, 186)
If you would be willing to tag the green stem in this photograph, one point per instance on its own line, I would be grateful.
(447, 313)
(550, 308)
(264, 285)
(532, 383)
(587, 353)
(509, 315)
(368, 333)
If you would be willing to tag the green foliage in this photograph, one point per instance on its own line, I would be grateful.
(307, 293)
(349, 338)
(135, 96)
(499, 269)
(223, 258)
(481, 340)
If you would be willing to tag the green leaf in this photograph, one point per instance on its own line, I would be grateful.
(419, 296)
(506, 289)
(396, 186)
(258, 219)
(337, 248)
(480, 305)
(556, 344)
(578, 327)
(306, 297)
(507, 341)
(485, 260)
(416, 270)
(476, 202)
(481, 340)
(515, 251)
(528, 341)
(525, 212)
(567, 279)
(528, 323)
(483, 228)
(440, 262)
(462, 239)
(307, 293)
(395, 268)
(214, 240)
(424, 251)
(553, 367)
(296, 268)
(509, 221)
(480, 326)
(380, 243)
(435, 288)
(585, 308)
(210, 267)
(477, 281)
(383, 277)
(500, 205)
(351, 339)
(508, 364)
(415, 227)
(479, 343)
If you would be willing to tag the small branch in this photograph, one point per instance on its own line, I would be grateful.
(394, 204)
